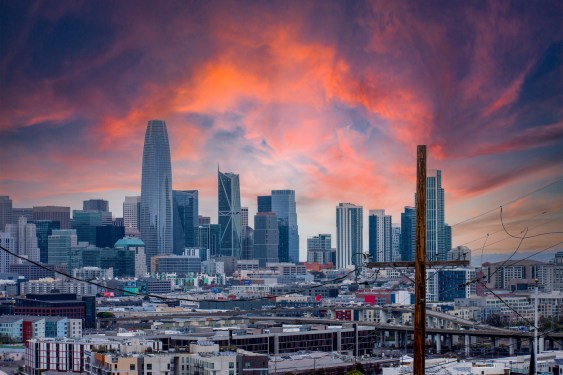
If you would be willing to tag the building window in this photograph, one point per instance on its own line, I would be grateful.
(132, 366)
(149, 366)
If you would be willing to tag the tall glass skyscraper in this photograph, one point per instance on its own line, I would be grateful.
(156, 192)
(408, 234)
(230, 218)
(435, 230)
(186, 219)
(349, 235)
(380, 248)
(283, 205)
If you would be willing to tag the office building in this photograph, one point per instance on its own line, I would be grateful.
(408, 234)
(95, 205)
(43, 229)
(85, 223)
(247, 243)
(380, 249)
(156, 192)
(266, 238)
(5, 211)
(25, 238)
(131, 215)
(54, 213)
(447, 237)
(284, 206)
(264, 203)
(181, 265)
(208, 237)
(186, 218)
(60, 242)
(7, 242)
(204, 220)
(136, 247)
(319, 249)
(435, 226)
(59, 304)
(459, 253)
(229, 214)
(25, 212)
(395, 242)
(349, 235)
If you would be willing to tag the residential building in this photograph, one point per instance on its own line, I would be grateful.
(395, 242)
(435, 215)
(349, 235)
(229, 213)
(380, 249)
(156, 192)
(408, 234)
(319, 249)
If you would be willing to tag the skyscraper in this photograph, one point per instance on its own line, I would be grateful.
(435, 232)
(395, 242)
(60, 243)
(44, 228)
(25, 238)
(380, 249)
(207, 236)
(230, 218)
(95, 205)
(266, 238)
(131, 215)
(5, 211)
(349, 235)
(156, 192)
(55, 213)
(283, 205)
(186, 208)
(264, 203)
(408, 234)
(6, 259)
(319, 249)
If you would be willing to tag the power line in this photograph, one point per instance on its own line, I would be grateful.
(269, 297)
(508, 203)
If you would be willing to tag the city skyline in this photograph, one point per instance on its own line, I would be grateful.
(328, 99)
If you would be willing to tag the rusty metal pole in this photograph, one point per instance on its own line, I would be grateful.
(420, 264)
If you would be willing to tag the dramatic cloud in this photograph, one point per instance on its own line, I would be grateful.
(328, 98)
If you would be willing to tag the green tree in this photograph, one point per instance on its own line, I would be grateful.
(494, 320)
(354, 372)
(105, 314)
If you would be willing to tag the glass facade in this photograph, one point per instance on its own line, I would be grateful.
(435, 230)
(408, 234)
(380, 249)
(186, 208)
(156, 192)
(266, 238)
(44, 228)
(283, 205)
(230, 218)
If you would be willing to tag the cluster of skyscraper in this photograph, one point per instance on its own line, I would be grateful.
(168, 222)
(392, 242)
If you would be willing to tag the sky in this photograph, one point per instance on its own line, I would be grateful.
(329, 98)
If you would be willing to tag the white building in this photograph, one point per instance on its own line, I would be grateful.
(380, 249)
(92, 273)
(7, 241)
(47, 285)
(25, 238)
(349, 235)
(131, 212)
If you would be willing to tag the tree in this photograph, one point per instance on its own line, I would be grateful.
(105, 314)
(354, 372)
(494, 320)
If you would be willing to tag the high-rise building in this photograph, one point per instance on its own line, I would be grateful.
(266, 238)
(186, 219)
(5, 211)
(7, 242)
(435, 232)
(244, 216)
(156, 192)
(43, 229)
(284, 206)
(264, 203)
(319, 249)
(85, 223)
(208, 237)
(132, 215)
(248, 243)
(447, 237)
(25, 237)
(380, 249)
(55, 213)
(60, 243)
(96, 205)
(136, 246)
(204, 220)
(395, 242)
(349, 235)
(230, 218)
(18, 212)
(408, 234)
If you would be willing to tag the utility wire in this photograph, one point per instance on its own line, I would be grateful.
(171, 298)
